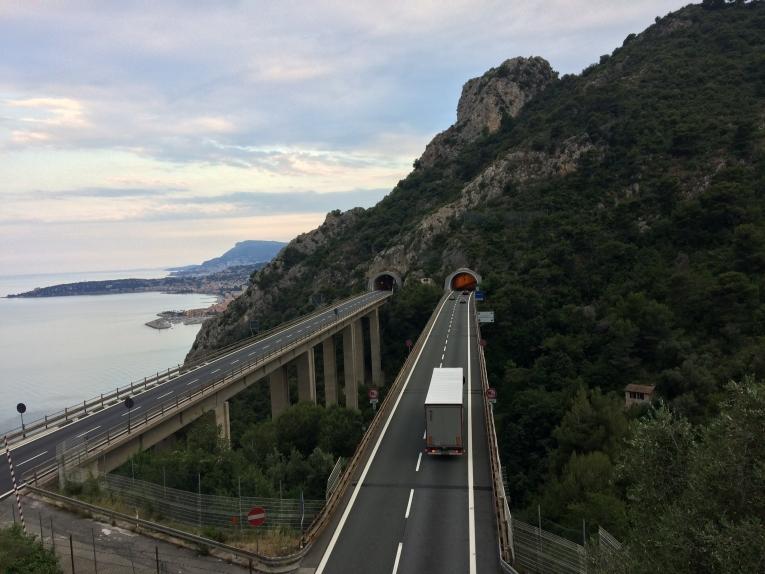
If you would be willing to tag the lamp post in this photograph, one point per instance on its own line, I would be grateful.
(129, 405)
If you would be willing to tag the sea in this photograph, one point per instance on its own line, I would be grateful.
(56, 352)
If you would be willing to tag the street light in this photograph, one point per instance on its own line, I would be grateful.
(129, 405)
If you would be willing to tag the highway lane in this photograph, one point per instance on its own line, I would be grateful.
(411, 512)
(41, 450)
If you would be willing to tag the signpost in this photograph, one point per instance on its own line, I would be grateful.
(374, 397)
(409, 344)
(491, 395)
(256, 516)
(485, 316)
(480, 296)
(21, 408)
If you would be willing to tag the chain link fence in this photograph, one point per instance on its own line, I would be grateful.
(92, 552)
(205, 510)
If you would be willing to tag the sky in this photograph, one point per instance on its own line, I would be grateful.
(150, 134)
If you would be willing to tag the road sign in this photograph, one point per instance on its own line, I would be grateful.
(21, 408)
(408, 343)
(256, 516)
(374, 395)
(480, 296)
(482, 342)
(485, 316)
(491, 395)
(129, 403)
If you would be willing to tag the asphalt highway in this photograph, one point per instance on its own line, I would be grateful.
(415, 513)
(40, 451)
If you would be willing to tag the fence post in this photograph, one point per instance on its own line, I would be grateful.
(95, 562)
(71, 552)
(52, 537)
(42, 540)
(156, 554)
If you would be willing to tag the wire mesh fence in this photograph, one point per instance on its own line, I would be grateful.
(205, 510)
(91, 552)
(538, 551)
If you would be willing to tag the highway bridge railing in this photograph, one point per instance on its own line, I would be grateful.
(499, 496)
(362, 449)
(72, 454)
(104, 400)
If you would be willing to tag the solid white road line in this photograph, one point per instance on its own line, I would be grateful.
(163, 396)
(398, 557)
(424, 434)
(87, 431)
(419, 460)
(191, 382)
(355, 494)
(31, 459)
(409, 504)
(471, 494)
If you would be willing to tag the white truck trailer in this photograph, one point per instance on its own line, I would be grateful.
(443, 412)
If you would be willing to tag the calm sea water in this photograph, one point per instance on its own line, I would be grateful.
(57, 351)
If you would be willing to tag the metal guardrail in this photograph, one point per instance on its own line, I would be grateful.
(333, 477)
(359, 455)
(499, 497)
(104, 400)
(90, 447)
(263, 563)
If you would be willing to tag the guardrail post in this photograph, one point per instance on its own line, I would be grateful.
(84, 407)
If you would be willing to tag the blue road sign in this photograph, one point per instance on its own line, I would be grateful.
(480, 296)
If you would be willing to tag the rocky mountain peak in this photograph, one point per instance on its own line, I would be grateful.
(501, 91)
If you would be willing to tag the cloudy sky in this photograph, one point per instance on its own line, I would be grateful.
(147, 134)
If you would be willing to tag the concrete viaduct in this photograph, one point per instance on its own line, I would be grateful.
(101, 435)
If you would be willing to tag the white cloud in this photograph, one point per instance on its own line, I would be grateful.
(215, 99)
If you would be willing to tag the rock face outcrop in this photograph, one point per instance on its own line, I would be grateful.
(485, 101)
(500, 92)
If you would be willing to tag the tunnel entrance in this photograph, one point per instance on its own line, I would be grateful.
(385, 281)
(462, 280)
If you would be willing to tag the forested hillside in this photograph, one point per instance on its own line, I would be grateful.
(618, 220)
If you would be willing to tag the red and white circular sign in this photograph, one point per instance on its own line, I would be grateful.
(256, 516)
(491, 394)
(373, 394)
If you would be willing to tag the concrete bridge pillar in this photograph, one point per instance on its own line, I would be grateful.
(306, 375)
(330, 371)
(353, 363)
(374, 341)
(280, 392)
(223, 422)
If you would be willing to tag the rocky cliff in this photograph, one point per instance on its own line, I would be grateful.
(538, 171)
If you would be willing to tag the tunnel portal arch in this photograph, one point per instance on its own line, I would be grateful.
(462, 279)
(385, 281)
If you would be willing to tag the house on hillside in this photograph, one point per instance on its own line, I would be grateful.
(638, 394)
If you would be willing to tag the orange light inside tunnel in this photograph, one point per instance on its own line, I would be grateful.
(463, 281)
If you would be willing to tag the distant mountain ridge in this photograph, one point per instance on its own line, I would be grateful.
(250, 252)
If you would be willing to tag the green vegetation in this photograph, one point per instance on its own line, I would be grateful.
(626, 246)
(20, 554)
(294, 453)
